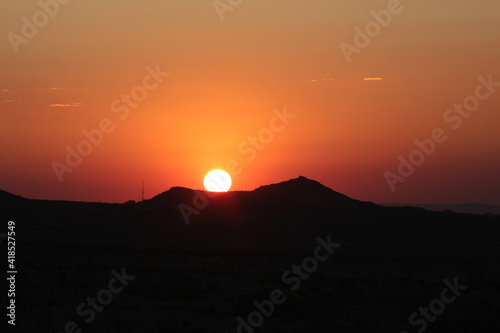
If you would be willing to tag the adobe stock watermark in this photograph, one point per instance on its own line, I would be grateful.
(372, 29)
(223, 6)
(248, 148)
(104, 297)
(292, 278)
(95, 136)
(436, 307)
(454, 117)
(30, 28)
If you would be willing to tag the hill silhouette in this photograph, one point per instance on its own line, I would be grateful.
(291, 211)
(199, 277)
(468, 208)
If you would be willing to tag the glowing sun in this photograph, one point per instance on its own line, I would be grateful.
(217, 181)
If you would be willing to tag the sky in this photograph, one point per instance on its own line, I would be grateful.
(163, 91)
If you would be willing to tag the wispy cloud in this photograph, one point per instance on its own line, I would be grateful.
(52, 89)
(320, 80)
(372, 79)
(67, 105)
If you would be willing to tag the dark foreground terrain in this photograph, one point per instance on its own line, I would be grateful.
(374, 269)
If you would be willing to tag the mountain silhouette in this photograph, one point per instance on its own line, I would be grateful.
(301, 208)
(293, 211)
(285, 202)
(468, 208)
(202, 276)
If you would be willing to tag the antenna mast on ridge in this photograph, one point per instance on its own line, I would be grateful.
(142, 196)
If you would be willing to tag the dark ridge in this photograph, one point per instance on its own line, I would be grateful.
(7, 197)
(467, 208)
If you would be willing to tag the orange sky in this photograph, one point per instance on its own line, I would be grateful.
(226, 78)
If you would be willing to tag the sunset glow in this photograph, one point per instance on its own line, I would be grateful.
(106, 95)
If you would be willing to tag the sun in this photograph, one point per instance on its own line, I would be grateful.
(217, 181)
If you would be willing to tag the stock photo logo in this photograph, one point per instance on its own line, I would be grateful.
(453, 117)
(220, 180)
(292, 278)
(436, 307)
(32, 26)
(224, 6)
(95, 136)
(89, 309)
(363, 37)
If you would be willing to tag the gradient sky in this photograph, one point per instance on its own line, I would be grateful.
(226, 77)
